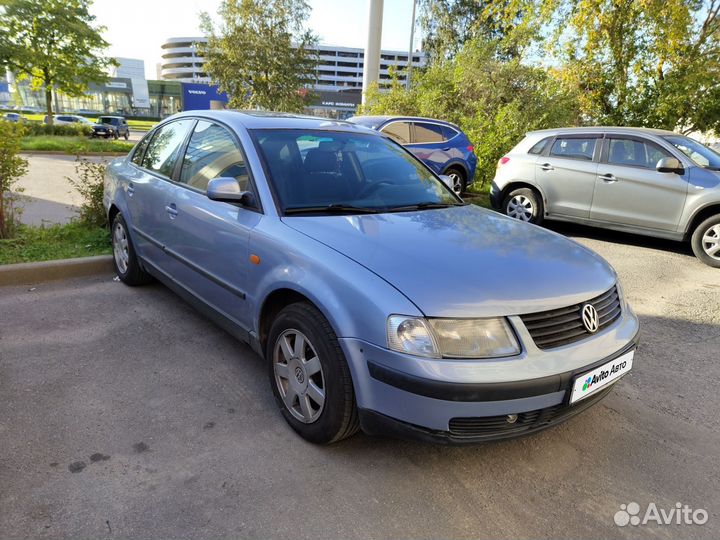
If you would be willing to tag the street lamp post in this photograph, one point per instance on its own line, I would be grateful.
(371, 69)
(410, 48)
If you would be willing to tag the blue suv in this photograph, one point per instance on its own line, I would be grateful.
(442, 146)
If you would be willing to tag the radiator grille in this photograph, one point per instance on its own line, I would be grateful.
(558, 327)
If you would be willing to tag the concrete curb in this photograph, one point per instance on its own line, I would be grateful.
(37, 272)
(71, 154)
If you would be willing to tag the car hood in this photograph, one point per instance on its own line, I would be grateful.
(465, 261)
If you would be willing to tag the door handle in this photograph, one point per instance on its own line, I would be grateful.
(547, 167)
(445, 149)
(130, 189)
(608, 178)
(171, 209)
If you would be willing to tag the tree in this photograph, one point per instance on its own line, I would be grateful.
(260, 54)
(653, 63)
(12, 167)
(54, 44)
(448, 24)
(495, 101)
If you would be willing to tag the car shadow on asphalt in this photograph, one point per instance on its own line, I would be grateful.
(619, 237)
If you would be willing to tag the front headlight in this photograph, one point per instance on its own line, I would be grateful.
(452, 338)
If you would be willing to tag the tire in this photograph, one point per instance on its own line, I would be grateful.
(321, 423)
(705, 241)
(116, 135)
(127, 135)
(524, 204)
(125, 259)
(459, 180)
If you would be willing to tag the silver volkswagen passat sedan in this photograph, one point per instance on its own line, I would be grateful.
(378, 299)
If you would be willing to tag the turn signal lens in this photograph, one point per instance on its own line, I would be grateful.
(503, 160)
(410, 335)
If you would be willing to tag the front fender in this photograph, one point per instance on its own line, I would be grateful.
(354, 300)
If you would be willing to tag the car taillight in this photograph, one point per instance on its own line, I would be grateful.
(470, 148)
(503, 160)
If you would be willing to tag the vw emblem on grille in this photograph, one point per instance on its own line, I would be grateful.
(590, 318)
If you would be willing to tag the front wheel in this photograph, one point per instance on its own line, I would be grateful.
(524, 204)
(127, 135)
(116, 136)
(705, 241)
(309, 375)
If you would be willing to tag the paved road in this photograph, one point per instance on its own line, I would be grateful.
(125, 414)
(48, 197)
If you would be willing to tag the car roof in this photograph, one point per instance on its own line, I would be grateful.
(111, 116)
(603, 129)
(272, 120)
(376, 120)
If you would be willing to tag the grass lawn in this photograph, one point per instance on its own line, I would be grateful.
(74, 145)
(55, 242)
(139, 125)
(142, 125)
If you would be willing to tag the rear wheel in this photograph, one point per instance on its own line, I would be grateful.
(309, 375)
(459, 183)
(524, 204)
(125, 259)
(705, 241)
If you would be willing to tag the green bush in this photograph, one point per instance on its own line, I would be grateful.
(12, 167)
(495, 102)
(90, 183)
(72, 130)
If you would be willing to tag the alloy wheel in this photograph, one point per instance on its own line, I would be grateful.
(520, 207)
(120, 248)
(711, 242)
(456, 183)
(299, 376)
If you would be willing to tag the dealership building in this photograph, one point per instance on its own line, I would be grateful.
(183, 84)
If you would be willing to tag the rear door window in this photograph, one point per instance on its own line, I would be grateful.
(538, 147)
(574, 148)
(399, 131)
(428, 133)
(449, 133)
(164, 149)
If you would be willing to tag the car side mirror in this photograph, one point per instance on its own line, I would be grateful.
(669, 165)
(228, 190)
(447, 180)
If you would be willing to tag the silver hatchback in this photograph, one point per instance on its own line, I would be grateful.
(644, 181)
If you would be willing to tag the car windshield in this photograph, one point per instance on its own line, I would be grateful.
(339, 172)
(699, 153)
(108, 120)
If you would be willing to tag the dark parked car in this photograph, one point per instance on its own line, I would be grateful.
(15, 117)
(111, 126)
(442, 146)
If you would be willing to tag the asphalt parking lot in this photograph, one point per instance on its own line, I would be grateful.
(125, 414)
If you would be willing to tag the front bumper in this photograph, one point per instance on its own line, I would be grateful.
(442, 403)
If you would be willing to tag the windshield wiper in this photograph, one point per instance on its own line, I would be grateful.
(423, 206)
(330, 209)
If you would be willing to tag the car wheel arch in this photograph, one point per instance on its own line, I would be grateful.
(523, 184)
(112, 212)
(457, 165)
(701, 215)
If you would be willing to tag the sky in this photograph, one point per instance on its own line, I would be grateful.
(137, 28)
